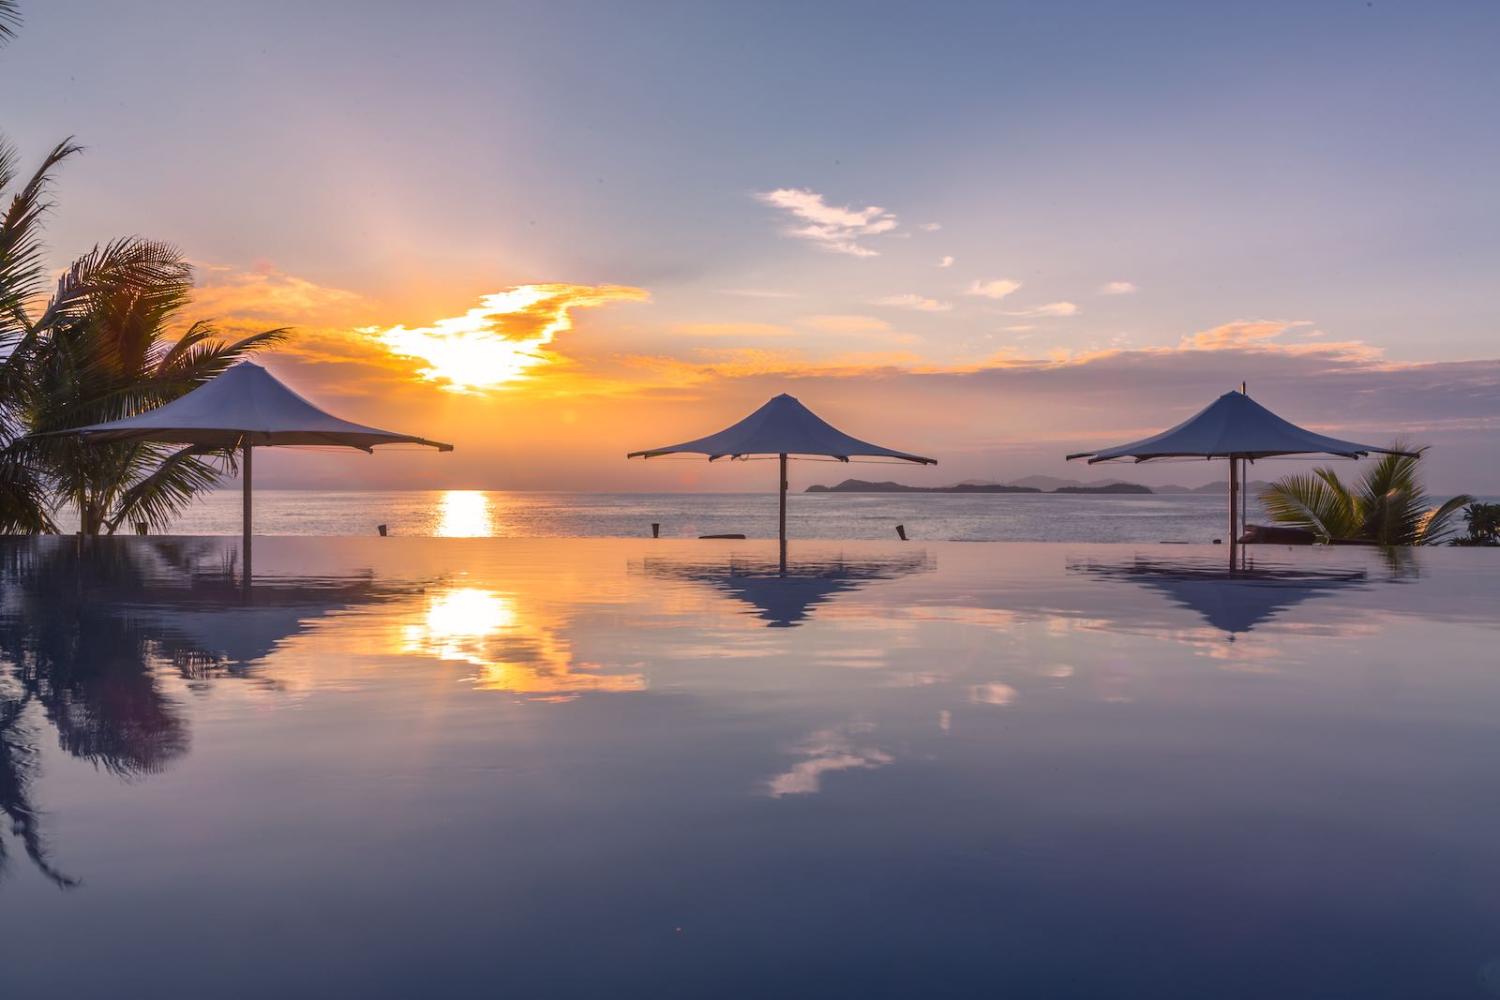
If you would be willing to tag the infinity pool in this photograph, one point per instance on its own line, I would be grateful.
(621, 768)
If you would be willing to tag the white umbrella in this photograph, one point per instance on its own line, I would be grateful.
(1235, 427)
(783, 428)
(243, 408)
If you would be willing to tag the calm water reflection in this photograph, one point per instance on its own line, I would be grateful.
(584, 768)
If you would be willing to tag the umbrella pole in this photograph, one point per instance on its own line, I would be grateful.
(783, 514)
(1234, 499)
(245, 543)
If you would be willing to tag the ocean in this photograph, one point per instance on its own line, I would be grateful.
(1020, 517)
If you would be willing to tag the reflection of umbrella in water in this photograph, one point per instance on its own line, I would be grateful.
(784, 595)
(1231, 602)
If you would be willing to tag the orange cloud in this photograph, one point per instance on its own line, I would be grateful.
(733, 330)
(500, 341)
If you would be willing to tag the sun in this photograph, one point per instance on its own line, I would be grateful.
(501, 341)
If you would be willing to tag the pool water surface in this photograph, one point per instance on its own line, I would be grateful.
(617, 767)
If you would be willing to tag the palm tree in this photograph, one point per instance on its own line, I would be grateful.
(1388, 506)
(104, 349)
(23, 505)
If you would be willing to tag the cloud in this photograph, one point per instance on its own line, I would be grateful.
(930, 227)
(759, 293)
(1050, 309)
(844, 323)
(913, 301)
(945, 261)
(995, 288)
(824, 752)
(834, 228)
(1240, 333)
(271, 297)
(1117, 288)
(733, 330)
(498, 342)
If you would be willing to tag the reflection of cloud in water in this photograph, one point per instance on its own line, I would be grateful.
(517, 648)
(1232, 602)
(785, 600)
(992, 694)
(823, 752)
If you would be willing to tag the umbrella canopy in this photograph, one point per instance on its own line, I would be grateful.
(1235, 427)
(782, 427)
(246, 406)
(1232, 426)
(786, 429)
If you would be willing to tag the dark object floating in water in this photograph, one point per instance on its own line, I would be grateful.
(739, 537)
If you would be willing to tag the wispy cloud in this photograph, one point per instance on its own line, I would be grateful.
(845, 323)
(1117, 288)
(930, 227)
(913, 301)
(1050, 309)
(759, 293)
(844, 748)
(995, 288)
(945, 261)
(733, 330)
(837, 229)
(1240, 333)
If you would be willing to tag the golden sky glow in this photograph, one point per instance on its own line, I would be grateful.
(500, 340)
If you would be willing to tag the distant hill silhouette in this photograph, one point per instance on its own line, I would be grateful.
(1032, 484)
(864, 486)
(1106, 488)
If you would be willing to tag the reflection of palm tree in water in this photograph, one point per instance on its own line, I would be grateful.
(86, 626)
(17, 766)
(86, 671)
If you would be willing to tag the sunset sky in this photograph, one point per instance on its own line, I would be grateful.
(552, 233)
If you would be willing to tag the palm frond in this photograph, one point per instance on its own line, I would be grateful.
(22, 264)
(204, 359)
(23, 496)
(1436, 525)
(10, 19)
(1304, 501)
(159, 498)
(149, 276)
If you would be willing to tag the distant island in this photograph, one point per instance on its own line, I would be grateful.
(1106, 488)
(1031, 484)
(863, 486)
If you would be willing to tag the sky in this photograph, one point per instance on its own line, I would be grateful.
(996, 233)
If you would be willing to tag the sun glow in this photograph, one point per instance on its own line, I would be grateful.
(503, 339)
(464, 514)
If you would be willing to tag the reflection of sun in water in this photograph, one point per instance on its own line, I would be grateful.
(458, 621)
(464, 514)
(513, 650)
